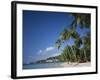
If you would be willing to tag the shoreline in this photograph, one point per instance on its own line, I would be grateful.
(56, 65)
(85, 64)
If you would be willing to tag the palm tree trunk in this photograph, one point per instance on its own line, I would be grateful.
(85, 56)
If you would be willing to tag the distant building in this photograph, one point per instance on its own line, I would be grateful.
(52, 60)
(49, 60)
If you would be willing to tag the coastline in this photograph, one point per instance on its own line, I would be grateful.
(56, 65)
(65, 64)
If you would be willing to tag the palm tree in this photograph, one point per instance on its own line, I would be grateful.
(87, 46)
(84, 20)
(66, 54)
(75, 53)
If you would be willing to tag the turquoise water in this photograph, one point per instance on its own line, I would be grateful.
(42, 65)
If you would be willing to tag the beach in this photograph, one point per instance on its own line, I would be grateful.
(65, 64)
(56, 65)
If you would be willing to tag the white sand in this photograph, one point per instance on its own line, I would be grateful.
(65, 64)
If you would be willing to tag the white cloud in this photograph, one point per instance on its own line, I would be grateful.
(49, 48)
(40, 51)
(43, 52)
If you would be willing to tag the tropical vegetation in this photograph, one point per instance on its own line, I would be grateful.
(80, 50)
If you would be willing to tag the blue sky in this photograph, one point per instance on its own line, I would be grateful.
(41, 29)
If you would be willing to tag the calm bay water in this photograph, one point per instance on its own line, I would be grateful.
(42, 65)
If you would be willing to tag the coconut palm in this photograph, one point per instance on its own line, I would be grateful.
(87, 47)
(66, 54)
(75, 53)
(84, 20)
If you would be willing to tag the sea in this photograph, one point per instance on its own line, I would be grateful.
(42, 65)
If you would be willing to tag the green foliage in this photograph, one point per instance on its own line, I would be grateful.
(65, 35)
(74, 53)
(58, 43)
(81, 19)
(74, 33)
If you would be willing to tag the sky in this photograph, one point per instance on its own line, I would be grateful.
(41, 30)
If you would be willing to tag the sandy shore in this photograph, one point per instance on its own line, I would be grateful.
(65, 64)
